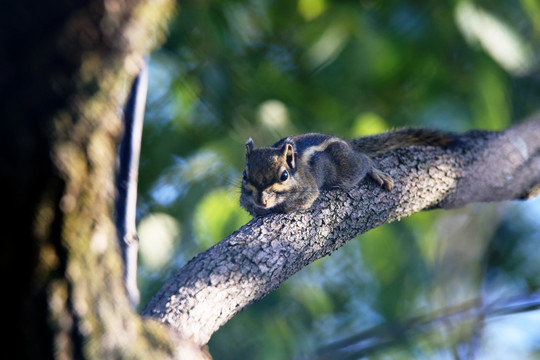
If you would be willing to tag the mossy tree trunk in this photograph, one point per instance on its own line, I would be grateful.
(63, 66)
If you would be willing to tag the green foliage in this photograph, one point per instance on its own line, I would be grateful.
(265, 69)
(221, 208)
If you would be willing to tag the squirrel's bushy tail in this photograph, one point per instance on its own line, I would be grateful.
(381, 143)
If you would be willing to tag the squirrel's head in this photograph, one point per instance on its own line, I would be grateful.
(268, 178)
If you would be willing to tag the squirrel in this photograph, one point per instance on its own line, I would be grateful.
(288, 175)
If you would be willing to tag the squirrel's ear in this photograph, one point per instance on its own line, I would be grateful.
(288, 153)
(249, 146)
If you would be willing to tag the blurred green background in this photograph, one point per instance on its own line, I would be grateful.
(266, 69)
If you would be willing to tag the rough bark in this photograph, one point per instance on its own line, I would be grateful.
(255, 260)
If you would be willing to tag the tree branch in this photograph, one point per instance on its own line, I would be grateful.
(255, 260)
(385, 335)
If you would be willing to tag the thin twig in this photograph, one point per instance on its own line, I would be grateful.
(386, 335)
(126, 183)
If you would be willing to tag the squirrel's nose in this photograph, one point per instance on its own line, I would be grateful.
(262, 200)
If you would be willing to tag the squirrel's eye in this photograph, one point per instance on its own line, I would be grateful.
(244, 176)
(284, 176)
